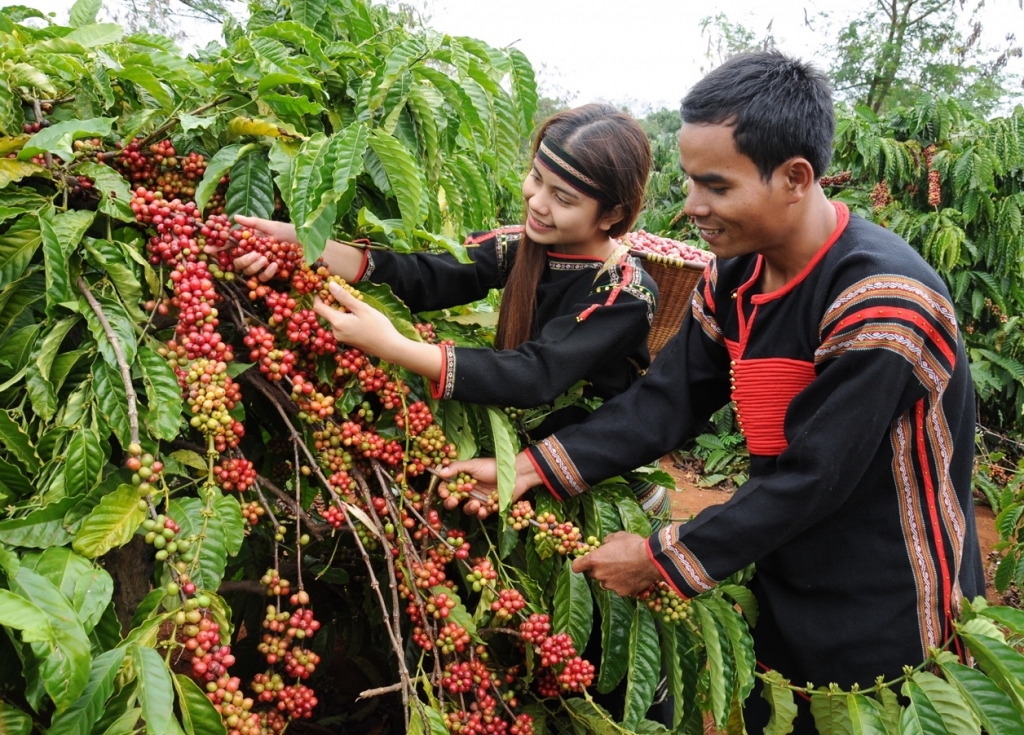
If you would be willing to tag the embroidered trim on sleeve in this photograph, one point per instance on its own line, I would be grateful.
(446, 386)
(675, 558)
(565, 470)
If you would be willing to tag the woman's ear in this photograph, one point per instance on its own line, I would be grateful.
(610, 218)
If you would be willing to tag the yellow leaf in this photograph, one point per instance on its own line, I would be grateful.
(12, 170)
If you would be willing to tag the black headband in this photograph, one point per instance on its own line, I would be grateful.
(567, 168)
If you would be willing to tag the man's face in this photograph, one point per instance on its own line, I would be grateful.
(736, 210)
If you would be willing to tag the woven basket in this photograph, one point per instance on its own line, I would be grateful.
(676, 280)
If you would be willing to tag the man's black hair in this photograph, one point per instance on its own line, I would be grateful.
(779, 108)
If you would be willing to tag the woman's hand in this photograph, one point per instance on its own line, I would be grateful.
(254, 264)
(361, 326)
(485, 471)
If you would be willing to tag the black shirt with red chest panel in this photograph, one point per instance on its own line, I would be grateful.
(852, 387)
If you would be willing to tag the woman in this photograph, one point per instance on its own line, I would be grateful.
(575, 306)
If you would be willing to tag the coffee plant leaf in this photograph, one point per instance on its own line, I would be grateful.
(989, 703)
(49, 348)
(86, 586)
(948, 702)
(781, 702)
(13, 721)
(9, 561)
(311, 177)
(57, 138)
(739, 640)
(616, 619)
(18, 613)
(506, 446)
(455, 418)
(145, 79)
(79, 718)
(399, 61)
(1011, 567)
(634, 520)
(831, 712)
(672, 663)
(111, 524)
(13, 170)
(114, 190)
(216, 167)
(1001, 663)
(17, 247)
(720, 683)
(198, 715)
(17, 441)
(86, 454)
(207, 528)
(126, 724)
(121, 325)
(60, 234)
(865, 715)
(1010, 617)
(163, 394)
(590, 718)
(155, 688)
(920, 715)
(382, 298)
(112, 400)
(96, 34)
(230, 514)
(425, 720)
(403, 176)
(39, 529)
(644, 666)
(251, 191)
(524, 86)
(83, 12)
(600, 512)
(743, 597)
(574, 607)
(1006, 521)
(349, 147)
(65, 659)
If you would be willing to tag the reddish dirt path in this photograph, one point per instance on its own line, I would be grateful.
(689, 499)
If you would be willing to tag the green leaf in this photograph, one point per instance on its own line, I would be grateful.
(39, 529)
(20, 614)
(120, 324)
(217, 166)
(61, 234)
(148, 81)
(198, 714)
(64, 661)
(720, 683)
(57, 138)
(86, 711)
(163, 395)
(83, 12)
(97, 34)
(780, 699)
(112, 400)
(865, 715)
(115, 196)
(86, 586)
(744, 598)
(634, 520)
(616, 618)
(251, 191)
(403, 176)
(17, 246)
(506, 445)
(1007, 616)
(574, 607)
(739, 639)
(18, 442)
(212, 552)
(13, 721)
(111, 524)
(86, 455)
(831, 712)
(425, 720)
(13, 170)
(644, 666)
(988, 702)
(307, 12)
(381, 298)
(156, 692)
(948, 702)
(920, 716)
(229, 512)
(126, 723)
(46, 405)
(1002, 664)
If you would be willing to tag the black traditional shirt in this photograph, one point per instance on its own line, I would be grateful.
(852, 387)
(590, 322)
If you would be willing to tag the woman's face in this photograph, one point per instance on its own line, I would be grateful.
(557, 214)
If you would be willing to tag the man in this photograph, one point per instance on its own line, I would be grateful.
(839, 349)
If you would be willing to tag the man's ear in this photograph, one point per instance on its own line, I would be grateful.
(610, 218)
(797, 176)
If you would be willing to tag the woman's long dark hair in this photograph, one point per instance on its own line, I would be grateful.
(614, 151)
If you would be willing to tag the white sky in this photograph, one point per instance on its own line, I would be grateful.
(642, 53)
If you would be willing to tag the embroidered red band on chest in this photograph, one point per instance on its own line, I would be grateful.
(762, 390)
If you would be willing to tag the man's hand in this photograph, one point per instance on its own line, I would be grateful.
(485, 471)
(620, 564)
